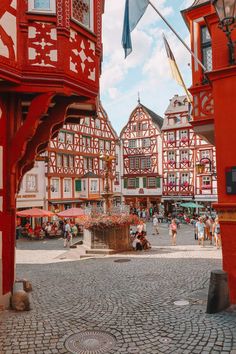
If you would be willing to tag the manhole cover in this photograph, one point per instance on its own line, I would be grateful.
(181, 303)
(164, 340)
(90, 342)
(122, 260)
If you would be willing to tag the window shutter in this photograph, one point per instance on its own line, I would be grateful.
(78, 185)
(144, 182)
(158, 182)
(137, 182)
(125, 182)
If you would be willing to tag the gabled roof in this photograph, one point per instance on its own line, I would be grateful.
(155, 117)
(178, 105)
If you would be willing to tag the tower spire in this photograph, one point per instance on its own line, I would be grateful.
(138, 97)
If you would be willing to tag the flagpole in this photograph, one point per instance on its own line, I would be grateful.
(181, 40)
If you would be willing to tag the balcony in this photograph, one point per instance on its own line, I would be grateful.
(203, 112)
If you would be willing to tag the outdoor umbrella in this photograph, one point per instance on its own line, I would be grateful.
(191, 205)
(71, 213)
(34, 213)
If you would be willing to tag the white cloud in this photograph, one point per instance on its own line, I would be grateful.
(145, 70)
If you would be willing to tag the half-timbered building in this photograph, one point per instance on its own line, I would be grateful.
(50, 61)
(75, 173)
(142, 158)
(182, 151)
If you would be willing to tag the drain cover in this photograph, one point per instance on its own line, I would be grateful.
(124, 260)
(181, 303)
(164, 340)
(90, 342)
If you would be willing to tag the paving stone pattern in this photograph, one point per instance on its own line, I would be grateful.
(133, 301)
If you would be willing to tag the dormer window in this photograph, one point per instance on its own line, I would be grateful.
(82, 12)
(42, 6)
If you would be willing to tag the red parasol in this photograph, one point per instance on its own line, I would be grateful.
(34, 213)
(71, 213)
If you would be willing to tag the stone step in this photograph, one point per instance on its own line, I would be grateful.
(102, 251)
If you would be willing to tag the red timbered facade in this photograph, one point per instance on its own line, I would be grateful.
(182, 151)
(75, 173)
(214, 111)
(50, 59)
(141, 158)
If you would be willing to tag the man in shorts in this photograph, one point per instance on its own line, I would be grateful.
(200, 228)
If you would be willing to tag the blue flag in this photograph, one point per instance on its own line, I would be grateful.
(134, 10)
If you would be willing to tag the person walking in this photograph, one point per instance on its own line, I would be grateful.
(173, 232)
(155, 225)
(216, 230)
(200, 227)
(67, 235)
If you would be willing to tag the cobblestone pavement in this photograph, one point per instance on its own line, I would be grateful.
(133, 301)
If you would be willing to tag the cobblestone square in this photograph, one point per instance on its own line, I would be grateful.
(133, 302)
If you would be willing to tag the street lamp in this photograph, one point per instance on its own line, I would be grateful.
(200, 167)
(226, 11)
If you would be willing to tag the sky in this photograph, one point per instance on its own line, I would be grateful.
(146, 70)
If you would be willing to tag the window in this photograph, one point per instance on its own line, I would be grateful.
(108, 145)
(206, 48)
(152, 182)
(183, 134)
(145, 163)
(139, 126)
(134, 127)
(184, 178)
(31, 183)
(206, 182)
(55, 185)
(171, 156)
(82, 11)
(61, 137)
(177, 120)
(145, 126)
(71, 161)
(184, 155)
(101, 145)
(67, 185)
(97, 123)
(171, 179)
(131, 182)
(65, 160)
(69, 138)
(205, 154)
(59, 160)
(86, 121)
(42, 5)
(84, 185)
(146, 142)
(88, 163)
(131, 163)
(86, 141)
(93, 186)
(170, 136)
(132, 143)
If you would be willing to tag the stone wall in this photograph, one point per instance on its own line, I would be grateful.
(117, 239)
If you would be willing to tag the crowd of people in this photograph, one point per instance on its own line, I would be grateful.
(207, 228)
